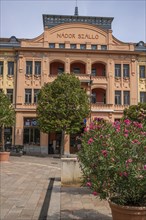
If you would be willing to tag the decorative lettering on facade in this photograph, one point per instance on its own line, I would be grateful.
(78, 36)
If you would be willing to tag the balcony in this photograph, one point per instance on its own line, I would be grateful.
(99, 79)
(101, 107)
(120, 108)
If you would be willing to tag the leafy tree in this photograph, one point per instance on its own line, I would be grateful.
(136, 112)
(62, 106)
(7, 115)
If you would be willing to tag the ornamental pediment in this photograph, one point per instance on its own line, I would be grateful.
(76, 33)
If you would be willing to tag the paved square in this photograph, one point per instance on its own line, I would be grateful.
(30, 189)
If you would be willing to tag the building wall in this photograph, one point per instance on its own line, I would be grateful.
(102, 52)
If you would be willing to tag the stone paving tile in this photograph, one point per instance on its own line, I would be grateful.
(82, 205)
(24, 184)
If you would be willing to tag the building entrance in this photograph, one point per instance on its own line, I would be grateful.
(54, 143)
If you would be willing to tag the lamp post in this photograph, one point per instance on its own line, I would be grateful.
(90, 84)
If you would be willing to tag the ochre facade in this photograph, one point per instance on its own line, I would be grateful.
(108, 69)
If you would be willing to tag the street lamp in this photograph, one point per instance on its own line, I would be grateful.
(90, 84)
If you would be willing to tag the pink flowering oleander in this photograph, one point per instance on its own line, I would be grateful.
(113, 160)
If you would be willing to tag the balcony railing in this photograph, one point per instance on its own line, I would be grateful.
(101, 107)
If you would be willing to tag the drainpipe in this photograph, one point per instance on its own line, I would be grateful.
(16, 58)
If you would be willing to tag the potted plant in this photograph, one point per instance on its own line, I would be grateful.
(113, 161)
(7, 119)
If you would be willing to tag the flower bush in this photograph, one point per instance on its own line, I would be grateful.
(113, 160)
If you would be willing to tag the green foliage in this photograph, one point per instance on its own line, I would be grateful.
(113, 161)
(62, 105)
(7, 114)
(136, 112)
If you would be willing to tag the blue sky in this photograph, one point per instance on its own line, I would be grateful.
(23, 18)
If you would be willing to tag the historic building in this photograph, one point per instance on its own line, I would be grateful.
(112, 72)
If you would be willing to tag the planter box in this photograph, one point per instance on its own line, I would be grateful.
(127, 212)
(4, 156)
(71, 173)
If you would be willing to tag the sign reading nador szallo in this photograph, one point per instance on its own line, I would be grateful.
(77, 36)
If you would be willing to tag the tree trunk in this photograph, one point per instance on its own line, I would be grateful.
(62, 143)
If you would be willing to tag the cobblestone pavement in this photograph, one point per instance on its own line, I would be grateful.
(30, 189)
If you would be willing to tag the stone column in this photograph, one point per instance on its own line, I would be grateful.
(133, 83)
(88, 66)
(67, 65)
(110, 78)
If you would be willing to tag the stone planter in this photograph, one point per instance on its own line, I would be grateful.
(127, 212)
(4, 156)
(71, 173)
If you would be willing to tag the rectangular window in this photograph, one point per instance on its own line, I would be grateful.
(126, 98)
(93, 98)
(93, 72)
(51, 45)
(82, 46)
(61, 46)
(28, 96)
(76, 70)
(1, 67)
(28, 67)
(142, 97)
(126, 70)
(31, 135)
(10, 94)
(93, 47)
(117, 70)
(117, 97)
(10, 68)
(60, 70)
(103, 47)
(142, 72)
(36, 92)
(37, 68)
(73, 46)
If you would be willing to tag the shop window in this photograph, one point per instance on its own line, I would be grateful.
(126, 98)
(10, 94)
(31, 135)
(37, 68)
(28, 67)
(1, 67)
(10, 68)
(142, 72)
(7, 136)
(126, 70)
(117, 97)
(117, 70)
(28, 96)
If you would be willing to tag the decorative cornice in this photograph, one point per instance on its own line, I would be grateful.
(50, 21)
